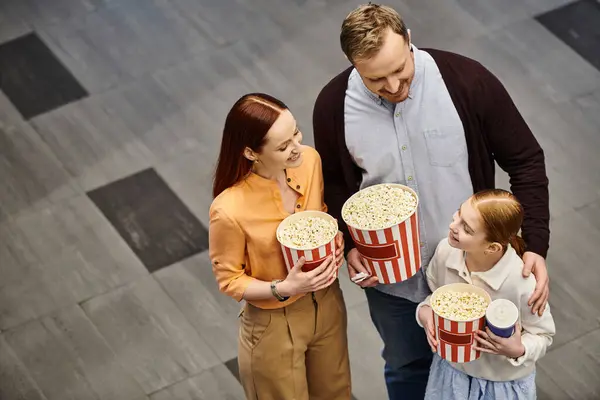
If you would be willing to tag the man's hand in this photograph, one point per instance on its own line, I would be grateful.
(534, 263)
(356, 265)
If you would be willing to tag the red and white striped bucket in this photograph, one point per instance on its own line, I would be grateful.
(456, 339)
(393, 253)
(313, 257)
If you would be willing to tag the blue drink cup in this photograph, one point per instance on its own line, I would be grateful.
(501, 316)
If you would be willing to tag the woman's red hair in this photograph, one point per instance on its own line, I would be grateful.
(246, 125)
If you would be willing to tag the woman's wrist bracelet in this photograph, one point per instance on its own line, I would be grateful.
(275, 292)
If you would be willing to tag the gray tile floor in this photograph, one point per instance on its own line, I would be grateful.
(80, 315)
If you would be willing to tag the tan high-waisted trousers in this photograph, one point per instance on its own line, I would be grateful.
(298, 352)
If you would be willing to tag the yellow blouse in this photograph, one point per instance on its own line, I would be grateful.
(243, 221)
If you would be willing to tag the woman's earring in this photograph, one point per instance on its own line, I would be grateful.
(256, 161)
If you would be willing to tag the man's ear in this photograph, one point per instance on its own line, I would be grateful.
(346, 57)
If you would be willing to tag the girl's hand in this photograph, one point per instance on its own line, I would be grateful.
(511, 347)
(339, 249)
(426, 319)
(299, 281)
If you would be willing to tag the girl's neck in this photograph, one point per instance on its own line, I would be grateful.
(277, 176)
(480, 262)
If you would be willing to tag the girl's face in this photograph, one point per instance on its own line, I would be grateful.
(283, 147)
(467, 232)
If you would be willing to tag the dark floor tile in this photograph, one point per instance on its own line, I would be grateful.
(33, 78)
(578, 25)
(154, 222)
(232, 366)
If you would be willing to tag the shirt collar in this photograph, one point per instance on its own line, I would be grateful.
(494, 277)
(258, 182)
(419, 71)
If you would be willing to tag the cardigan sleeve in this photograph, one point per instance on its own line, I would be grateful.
(517, 152)
(336, 191)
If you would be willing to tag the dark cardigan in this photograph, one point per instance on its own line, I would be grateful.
(494, 131)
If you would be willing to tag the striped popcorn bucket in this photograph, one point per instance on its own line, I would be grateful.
(457, 338)
(313, 257)
(393, 253)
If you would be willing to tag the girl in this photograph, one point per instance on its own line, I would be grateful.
(483, 249)
(292, 339)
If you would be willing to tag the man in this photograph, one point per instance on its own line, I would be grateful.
(436, 122)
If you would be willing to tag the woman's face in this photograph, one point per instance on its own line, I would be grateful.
(283, 147)
(466, 230)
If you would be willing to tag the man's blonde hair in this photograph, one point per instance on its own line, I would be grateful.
(364, 29)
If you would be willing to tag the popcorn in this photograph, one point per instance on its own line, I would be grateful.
(459, 306)
(307, 233)
(378, 207)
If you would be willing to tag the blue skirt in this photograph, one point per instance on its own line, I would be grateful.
(448, 383)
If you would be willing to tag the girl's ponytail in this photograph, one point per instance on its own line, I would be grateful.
(518, 244)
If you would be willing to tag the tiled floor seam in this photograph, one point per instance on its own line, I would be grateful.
(554, 348)
(185, 317)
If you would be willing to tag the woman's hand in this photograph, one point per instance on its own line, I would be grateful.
(298, 282)
(511, 347)
(339, 249)
(426, 319)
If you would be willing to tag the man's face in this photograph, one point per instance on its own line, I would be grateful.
(390, 72)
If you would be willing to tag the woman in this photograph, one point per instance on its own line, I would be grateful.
(292, 340)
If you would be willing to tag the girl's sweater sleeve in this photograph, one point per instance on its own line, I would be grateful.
(537, 332)
(434, 273)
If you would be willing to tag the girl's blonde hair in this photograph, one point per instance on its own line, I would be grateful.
(502, 217)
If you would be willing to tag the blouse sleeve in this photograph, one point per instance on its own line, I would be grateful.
(227, 246)
(317, 181)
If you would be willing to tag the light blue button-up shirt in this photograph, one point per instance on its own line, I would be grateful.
(419, 143)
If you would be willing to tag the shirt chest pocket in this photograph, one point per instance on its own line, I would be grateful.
(445, 146)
